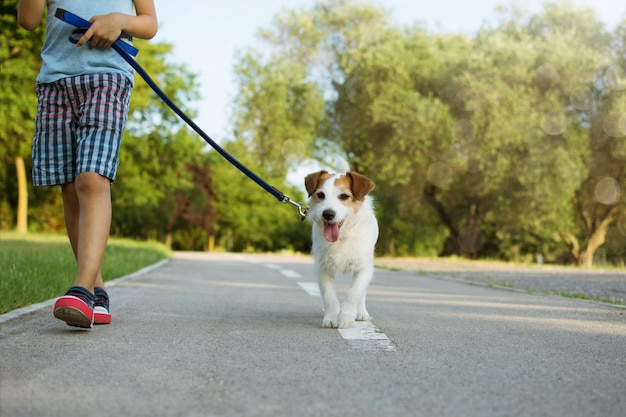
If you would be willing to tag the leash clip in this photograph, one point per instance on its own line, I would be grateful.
(301, 209)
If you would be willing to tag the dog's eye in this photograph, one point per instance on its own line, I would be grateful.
(344, 197)
(321, 195)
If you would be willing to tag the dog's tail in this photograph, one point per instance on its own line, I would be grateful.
(342, 166)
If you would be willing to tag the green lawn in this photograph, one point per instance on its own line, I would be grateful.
(37, 267)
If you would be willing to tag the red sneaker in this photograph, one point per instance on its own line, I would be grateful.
(101, 311)
(75, 307)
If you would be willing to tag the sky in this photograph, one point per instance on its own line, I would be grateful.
(206, 35)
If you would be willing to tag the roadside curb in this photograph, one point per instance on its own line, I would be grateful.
(48, 303)
(516, 289)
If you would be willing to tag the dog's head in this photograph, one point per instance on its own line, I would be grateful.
(335, 198)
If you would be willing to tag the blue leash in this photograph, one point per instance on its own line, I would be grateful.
(127, 52)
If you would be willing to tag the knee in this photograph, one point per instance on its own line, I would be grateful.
(90, 182)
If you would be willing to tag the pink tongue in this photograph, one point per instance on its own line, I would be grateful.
(331, 231)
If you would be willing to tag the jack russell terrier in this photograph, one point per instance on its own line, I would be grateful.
(344, 235)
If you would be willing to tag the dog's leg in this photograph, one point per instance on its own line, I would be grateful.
(361, 311)
(353, 308)
(326, 282)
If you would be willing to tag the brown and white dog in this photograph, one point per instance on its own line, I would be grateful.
(344, 235)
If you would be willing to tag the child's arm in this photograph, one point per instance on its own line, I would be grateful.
(30, 13)
(106, 28)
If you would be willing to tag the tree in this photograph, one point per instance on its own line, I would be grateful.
(505, 144)
(595, 96)
(193, 220)
(161, 159)
(277, 111)
(19, 66)
(600, 199)
(276, 116)
(487, 134)
(157, 150)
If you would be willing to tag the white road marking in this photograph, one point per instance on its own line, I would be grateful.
(290, 274)
(363, 335)
(310, 287)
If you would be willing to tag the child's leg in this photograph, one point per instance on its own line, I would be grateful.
(87, 207)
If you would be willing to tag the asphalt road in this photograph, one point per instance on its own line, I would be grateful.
(240, 335)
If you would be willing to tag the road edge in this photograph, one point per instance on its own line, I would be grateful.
(44, 304)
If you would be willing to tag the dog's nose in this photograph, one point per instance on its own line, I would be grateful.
(328, 215)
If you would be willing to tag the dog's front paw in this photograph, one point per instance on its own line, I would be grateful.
(330, 321)
(362, 316)
(344, 321)
(330, 324)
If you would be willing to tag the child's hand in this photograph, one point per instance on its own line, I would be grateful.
(104, 30)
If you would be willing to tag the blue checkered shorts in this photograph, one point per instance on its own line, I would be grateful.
(79, 126)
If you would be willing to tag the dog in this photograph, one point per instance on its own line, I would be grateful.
(344, 234)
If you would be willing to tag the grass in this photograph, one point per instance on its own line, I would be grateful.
(38, 267)
(508, 285)
(586, 297)
(577, 295)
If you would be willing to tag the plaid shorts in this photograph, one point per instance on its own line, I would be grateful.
(79, 126)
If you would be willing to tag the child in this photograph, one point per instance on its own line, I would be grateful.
(83, 93)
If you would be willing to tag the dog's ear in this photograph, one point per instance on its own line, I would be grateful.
(360, 185)
(312, 181)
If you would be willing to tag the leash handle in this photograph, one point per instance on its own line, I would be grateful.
(79, 22)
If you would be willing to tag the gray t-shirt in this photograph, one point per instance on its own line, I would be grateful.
(62, 59)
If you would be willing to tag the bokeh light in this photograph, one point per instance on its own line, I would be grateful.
(554, 122)
(614, 78)
(581, 98)
(293, 150)
(546, 76)
(607, 191)
(614, 124)
(440, 174)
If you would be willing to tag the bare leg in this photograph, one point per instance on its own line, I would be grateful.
(87, 210)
